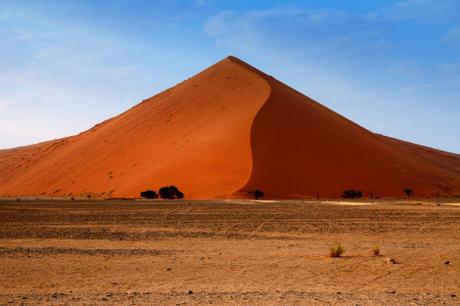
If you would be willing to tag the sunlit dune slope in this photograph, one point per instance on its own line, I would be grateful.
(194, 135)
(222, 133)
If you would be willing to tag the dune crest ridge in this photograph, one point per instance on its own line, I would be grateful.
(226, 131)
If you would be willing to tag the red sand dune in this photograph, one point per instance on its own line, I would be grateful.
(226, 131)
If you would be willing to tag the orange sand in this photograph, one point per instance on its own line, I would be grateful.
(228, 130)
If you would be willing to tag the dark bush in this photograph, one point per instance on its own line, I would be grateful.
(149, 194)
(408, 192)
(257, 194)
(352, 194)
(170, 193)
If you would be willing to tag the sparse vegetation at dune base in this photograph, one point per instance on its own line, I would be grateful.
(149, 194)
(352, 194)
(167, 193)
(408, 192)
(170, 193)
(257, 194)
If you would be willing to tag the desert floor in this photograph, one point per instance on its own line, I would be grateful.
(228, 252)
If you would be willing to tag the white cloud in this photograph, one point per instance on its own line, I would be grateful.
(4, 14)
(4, 104)
(340, 59)
(452, 37)
(451, 68)
(19, 130)
(429, 10)
(314, 33)
(53, 70)
(203, 2)
(445, 12)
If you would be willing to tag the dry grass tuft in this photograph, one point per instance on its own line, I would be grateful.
(376, 250)
(336, 250)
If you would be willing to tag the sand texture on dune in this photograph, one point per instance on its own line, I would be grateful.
(226, 131)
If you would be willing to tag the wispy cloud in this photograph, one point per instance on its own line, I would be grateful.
(352, 63)
(4, 103)
(452, 37)
(451, 68)
(87, 60)
(53, 70)
(428, 10)
(446, 13)
(315, 33)
(203, 2)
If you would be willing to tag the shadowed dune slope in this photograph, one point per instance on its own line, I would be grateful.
(301, 148)
(222, 133)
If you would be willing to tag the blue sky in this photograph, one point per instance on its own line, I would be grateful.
(391, 66)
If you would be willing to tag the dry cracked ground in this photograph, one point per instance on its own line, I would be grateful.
(228, 252)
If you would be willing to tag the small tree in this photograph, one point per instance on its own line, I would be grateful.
(257, 194)
(352, 194)
(179, 195)
(149, 194)
(170, 193)
(408, 192)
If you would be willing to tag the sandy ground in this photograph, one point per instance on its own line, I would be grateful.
(252, 253)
